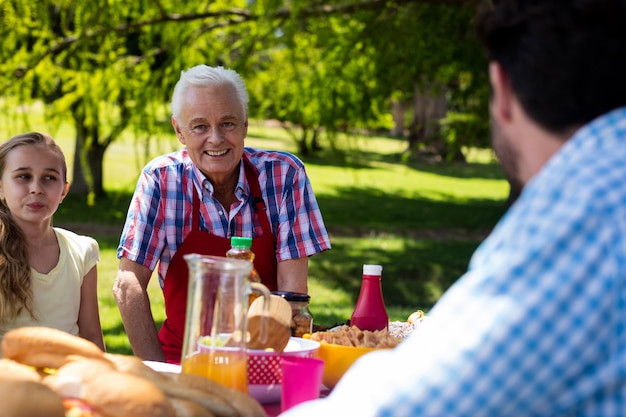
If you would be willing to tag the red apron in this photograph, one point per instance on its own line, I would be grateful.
(175, 287)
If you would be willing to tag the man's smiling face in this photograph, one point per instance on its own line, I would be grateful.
(213, 126)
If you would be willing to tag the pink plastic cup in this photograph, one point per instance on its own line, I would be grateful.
(302, 380)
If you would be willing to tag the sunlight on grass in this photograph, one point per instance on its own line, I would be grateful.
(401, 180)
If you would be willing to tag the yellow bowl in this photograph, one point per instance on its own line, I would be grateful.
(337, 360)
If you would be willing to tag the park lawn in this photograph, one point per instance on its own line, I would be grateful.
(421, 221)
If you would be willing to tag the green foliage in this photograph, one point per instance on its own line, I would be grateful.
(332, 66)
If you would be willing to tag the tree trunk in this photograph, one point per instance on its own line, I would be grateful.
(398, 110)
(428, 110)
(88, 173)
(95, 159)
(417, 129)
(303, 146)
(79, 183)
(315, 141)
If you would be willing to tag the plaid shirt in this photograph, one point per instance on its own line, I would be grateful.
(537, 326)
(160, 212)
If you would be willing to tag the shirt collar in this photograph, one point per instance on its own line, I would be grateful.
(203, 183)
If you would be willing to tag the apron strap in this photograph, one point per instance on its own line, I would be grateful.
(257, 200)
(195, 216)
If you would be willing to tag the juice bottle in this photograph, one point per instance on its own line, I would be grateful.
(240, 248)
(370, 312)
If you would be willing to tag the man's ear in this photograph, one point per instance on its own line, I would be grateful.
(502, 94)
(179, 134)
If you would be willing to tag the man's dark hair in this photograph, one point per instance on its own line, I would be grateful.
(566, 60)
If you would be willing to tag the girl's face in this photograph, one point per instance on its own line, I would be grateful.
(33, 184)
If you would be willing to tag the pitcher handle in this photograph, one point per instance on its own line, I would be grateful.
(267, 295)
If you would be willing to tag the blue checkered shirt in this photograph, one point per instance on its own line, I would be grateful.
(537, 326)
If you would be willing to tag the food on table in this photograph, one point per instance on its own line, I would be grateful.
(43, 347)
(29, 399)
(15, 371)
(403, 329)
(416, 317)
(337, 359)
(342, 345)
(301, 321)
(301, 324)
(74, 374)
(108, 391)
(347, 335)
(19, 385)
(353, 336)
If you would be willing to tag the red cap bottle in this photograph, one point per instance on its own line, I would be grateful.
(370, 312)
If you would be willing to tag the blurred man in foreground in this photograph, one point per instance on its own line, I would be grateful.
(537, 326)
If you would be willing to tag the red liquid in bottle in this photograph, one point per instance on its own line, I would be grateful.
(370, 312)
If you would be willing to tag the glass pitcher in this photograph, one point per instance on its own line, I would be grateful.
(214, 343)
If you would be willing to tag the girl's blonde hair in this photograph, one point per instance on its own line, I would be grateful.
(15, 280)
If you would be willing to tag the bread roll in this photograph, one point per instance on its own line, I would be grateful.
(110, 392)
(15, 371)
(45, 347)
(24, 398)
(135, 366)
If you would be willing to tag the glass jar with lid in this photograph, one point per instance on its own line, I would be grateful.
(301, 317)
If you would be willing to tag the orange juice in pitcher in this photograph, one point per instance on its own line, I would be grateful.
(227, 367)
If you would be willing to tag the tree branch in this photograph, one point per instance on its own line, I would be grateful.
(232, 17)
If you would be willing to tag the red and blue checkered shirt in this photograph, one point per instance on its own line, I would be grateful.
(160, 212)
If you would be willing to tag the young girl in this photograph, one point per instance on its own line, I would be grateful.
(48, 275)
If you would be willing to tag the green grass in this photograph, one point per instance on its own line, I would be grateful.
(421, 221)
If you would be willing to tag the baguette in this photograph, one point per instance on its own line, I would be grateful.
(47, 339)
(245, 405)
(11, 370)
(214, 404)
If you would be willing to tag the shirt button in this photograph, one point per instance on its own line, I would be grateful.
(220, 212)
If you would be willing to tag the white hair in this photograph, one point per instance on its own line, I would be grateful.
(203, 75)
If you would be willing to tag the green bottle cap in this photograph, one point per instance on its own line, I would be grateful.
(241, 242)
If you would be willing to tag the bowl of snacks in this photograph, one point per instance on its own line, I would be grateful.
(337, 359)
(264, 372)
(341, 346)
